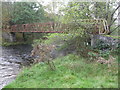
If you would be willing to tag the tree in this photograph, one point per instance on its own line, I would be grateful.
(107, 11)
(93, 10)
(77, 10)
(27, 12)
(6, 13)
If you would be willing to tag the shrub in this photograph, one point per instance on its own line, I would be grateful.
(77, 44)
(104, 54)
(43, 53)
(102, 45)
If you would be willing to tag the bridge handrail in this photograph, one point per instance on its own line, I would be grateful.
(53, 26)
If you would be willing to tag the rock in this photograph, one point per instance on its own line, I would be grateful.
(104, 40)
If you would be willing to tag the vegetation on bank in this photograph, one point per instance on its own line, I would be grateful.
(113, 36)
(20, 40)
(71, 71)
(14, 43)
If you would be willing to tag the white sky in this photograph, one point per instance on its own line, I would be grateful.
(46, 1)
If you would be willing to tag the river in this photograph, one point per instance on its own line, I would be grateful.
(12, 59)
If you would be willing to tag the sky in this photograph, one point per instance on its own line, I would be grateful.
(46, 1)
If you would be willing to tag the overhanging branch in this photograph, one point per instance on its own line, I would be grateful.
(115, 11)
(112, 22)
(114, 29)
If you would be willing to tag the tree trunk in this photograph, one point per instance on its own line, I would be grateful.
(118, 18)
(24, 38)
(92, 41)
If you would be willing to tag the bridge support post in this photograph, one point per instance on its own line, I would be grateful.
(24, 38)
(92, 40)
(12, 37)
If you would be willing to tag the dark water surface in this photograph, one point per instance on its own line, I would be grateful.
(12, 58)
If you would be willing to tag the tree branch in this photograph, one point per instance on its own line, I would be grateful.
(112, 22)
(114, 11)
(114, 29)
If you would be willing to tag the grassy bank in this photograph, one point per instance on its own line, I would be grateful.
(71, 72)
(14, 43)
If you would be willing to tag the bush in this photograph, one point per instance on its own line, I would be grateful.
(104, 54)
(78, 44)
(58, 38)
(36, 42)
(43, 53)
(67, 43)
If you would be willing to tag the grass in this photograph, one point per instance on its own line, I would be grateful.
(113, 36)
(14, 43)
(71, 72)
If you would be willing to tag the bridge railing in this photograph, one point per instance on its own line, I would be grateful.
(94, 26)
(36, 27)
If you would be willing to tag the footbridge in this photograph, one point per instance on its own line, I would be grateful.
(93, 26)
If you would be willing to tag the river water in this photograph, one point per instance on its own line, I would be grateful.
(12, 59)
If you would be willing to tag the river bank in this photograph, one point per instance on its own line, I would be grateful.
(11, 61)
(71, 71)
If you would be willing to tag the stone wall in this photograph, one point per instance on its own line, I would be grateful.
(95, 39)
(10, 37)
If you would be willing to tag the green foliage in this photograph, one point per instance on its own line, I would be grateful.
(44, 54)
(102, 45)
(113, 36)
(6, 13)
(28, 12)
(68, 43)
(76, 10)
(58, 38)
(36, 42)
(104, 54)
(92, 56)
(14, 43)
(71, 72)
(117, 50)
(118, 47)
